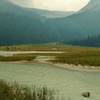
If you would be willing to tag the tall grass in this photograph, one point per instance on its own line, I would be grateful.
(17, 58)
(76, 58)
(16, 92)
(71, 54)
(78, 55)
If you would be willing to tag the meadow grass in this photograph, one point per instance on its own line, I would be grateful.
(17, 92)
(83, 56)
(17, 58)
(71, 54)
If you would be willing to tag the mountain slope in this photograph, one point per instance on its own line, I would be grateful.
(54, 14)
(90, 41)
(23, 25)
(84, 23)
(18, 25)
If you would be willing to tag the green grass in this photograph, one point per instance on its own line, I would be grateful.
(20, 57)
(17, 92)
(39, 47)
(72, 54)
(83, 57)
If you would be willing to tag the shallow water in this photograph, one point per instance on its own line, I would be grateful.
(67, 83)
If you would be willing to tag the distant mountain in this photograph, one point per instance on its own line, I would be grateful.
(85, 22)
(22, 25)
(54, 14)
(91, 23)
(89, 41)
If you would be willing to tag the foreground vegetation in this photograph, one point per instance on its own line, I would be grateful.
(71, 54)
(16, 92)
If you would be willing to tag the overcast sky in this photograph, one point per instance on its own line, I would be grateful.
(57, 5)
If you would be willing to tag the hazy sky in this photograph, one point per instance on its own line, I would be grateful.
(58, 5)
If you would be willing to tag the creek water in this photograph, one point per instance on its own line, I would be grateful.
(66, 83)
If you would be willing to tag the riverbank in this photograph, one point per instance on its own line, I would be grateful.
(79, 67)
(66, 66)
(62, 56)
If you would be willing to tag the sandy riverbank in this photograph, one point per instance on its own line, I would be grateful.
(11, 53)
(79, 67)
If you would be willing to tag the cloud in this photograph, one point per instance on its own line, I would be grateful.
(62, 5)
(58, 5)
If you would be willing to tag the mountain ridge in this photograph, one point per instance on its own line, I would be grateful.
(21, 25)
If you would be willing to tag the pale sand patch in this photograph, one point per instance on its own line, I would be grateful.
(11, 53)
(44, 59)
(78, 67)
